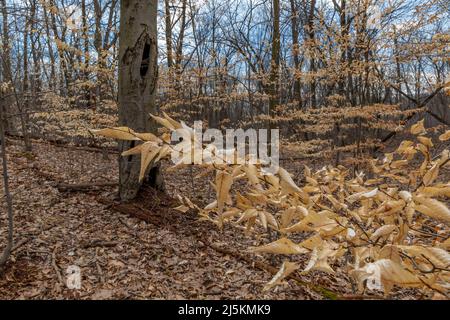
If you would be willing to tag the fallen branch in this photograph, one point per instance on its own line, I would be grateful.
(24, 241)
(84, 186)
(100, 243)
(62, 144)
(56, 268)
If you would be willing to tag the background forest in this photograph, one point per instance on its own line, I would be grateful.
(329, 73)
(343, 80)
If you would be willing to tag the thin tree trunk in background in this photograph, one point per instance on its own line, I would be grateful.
(275, 63)
(312, 63)
(52, 82)
(179, 47)
(169, 49)
(6, 66)
(295, 53)
(8, 77)
(397, 64)
(7, 251)
(64, 76)
(168, 26)
(25, 86)
(35, 52)
(138, 74)
(98, 44)
(84, 35)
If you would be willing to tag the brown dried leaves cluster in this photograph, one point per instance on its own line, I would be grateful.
(384, 228)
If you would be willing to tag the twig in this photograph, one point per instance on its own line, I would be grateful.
(55, 266)
(99, 268)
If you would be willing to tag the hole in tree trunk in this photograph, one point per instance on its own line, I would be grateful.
(145, 59)
(132, 145)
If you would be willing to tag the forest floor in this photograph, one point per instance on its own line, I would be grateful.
(171, 255)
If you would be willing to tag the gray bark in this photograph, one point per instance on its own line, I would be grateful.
(7, 250)
(138, 74)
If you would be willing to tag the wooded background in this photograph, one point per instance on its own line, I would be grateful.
(341, 73)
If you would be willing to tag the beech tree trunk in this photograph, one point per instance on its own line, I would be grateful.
(138, 74)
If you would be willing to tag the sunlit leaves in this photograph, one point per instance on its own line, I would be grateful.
(286, 269)
(432, 208)
(383, 274)
(445, 136)
(121, 133)
(418, 128)
(281, 246)
(378, 221)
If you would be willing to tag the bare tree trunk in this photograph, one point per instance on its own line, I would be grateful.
(25, 86)
(295, 53)
(62, 59)
(35, 52)
(6, 64)
(8, 77)
(52, 83)
(168, 22)
(84, 34)
(179, 47)
(275, 63)
(7, 251)
(138, 74)
(312, 64)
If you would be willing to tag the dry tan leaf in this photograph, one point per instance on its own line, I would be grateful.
(287, 184)
(432, 208)
(404, 145)
(211, 206)
(436, 191)
(149, 152)
(314, 221)
(121, 133)
(248, 214)
(384, 273)
(445, 245)
(418, 128)
(286, 269)
(224, 180)
(164, 122)
(312, 242)
(271, 220)
(405, 195)
(383, 232)
(319, 259)
(431, 175)
(263, 219)
(148, 137)
(445, 136)
(281, 246)
(426, 141)
(437, 256)
(133, 151)
(182, 208)
(362, 195)
(174, 123)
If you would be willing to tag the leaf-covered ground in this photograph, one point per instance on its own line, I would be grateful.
(171, 256)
